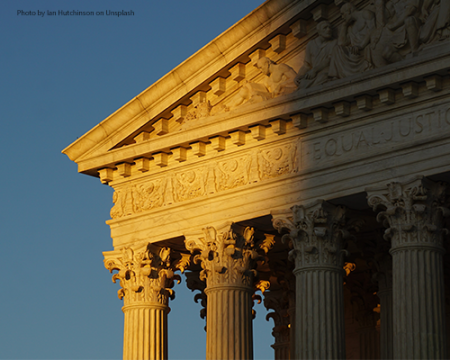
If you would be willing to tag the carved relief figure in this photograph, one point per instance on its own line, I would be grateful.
(147, 196)
(202, 110)
(189, 185)
(351, 55)
(279, 81)
(277, 161)
(404, 20)
(436, 17)
(317, 58)
(232, 173)
(443, 21)
(118, 208)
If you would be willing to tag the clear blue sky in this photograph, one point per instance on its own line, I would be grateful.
(60, 76)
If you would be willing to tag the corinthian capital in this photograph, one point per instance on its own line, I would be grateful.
(412, 211)
(316, 233)
(146, 275)
(228, 255)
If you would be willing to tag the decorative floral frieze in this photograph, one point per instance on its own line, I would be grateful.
(228, 256)
(146, 276)
(214, 177)
(412, 212)
(316, 233)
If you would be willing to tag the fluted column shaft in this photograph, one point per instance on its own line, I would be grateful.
(282, 351)
(418, 303)
(386, 324)
(317, 233)
(146, 277)
(228, 256)
(413, 217)
(279, 301)
(229, 323)
(145, 332)
(369, 339)
(293, 321)
(320, 314)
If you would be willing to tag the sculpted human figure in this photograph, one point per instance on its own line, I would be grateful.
(351, 56)
(404, 20)
(436, 17)
(317, 58)
(279, 81)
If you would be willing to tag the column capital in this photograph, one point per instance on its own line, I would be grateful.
(146, 274)
(316, 232)
(228, 254)
(412, 210)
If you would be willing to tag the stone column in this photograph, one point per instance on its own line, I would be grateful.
(413, 216)
(364, 303)
(317, 233)
(282, 270)
(278, 301)
(383, 277)
(228, 256)
(145, 277)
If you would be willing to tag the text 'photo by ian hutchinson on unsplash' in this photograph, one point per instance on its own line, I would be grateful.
(41, 13)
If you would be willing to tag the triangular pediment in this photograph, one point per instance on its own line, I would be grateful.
(176, 93)
(224, 89)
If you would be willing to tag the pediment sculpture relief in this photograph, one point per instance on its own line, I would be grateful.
(317, 58)
(279, 81)
(384, 32)
(359, 40)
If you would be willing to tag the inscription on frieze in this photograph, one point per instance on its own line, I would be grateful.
(382, 136)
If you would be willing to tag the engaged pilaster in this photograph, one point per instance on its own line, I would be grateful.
(228, 257)
(146, 277)
(413, 214)
(317, 232)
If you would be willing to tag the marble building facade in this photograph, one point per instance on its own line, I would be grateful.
(302, 154)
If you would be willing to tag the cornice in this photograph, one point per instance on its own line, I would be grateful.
(328, 96)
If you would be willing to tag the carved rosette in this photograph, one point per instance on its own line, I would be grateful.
(145, 275)
(228, 256)
(316, 233)
(412, 212)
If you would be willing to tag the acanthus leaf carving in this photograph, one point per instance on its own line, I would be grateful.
(145, 275)
(412, 211)
(228, 256)
(317, 234)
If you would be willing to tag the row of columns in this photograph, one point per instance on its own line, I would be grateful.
(410, 281)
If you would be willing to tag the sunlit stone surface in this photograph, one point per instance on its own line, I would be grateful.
(303, 153)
